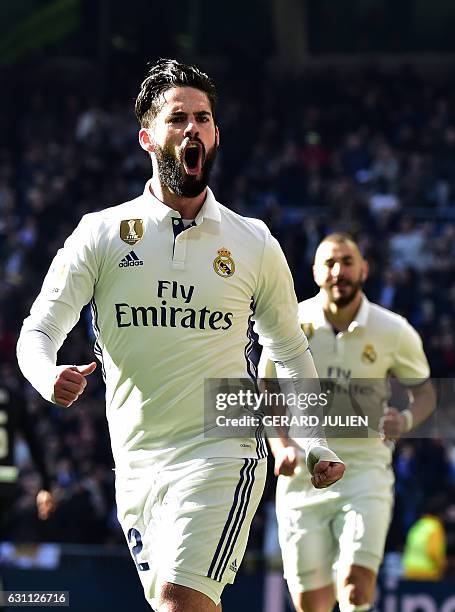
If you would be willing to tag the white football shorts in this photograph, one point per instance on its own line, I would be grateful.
(321, 530)
(188, 523)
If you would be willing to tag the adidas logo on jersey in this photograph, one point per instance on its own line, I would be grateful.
(233, 567)
(130, 260)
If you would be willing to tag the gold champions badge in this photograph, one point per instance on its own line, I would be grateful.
(369, 355)
(224, 264)
(131, 230)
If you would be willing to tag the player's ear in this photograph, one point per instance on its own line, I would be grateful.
(217, 136)
(146, 140)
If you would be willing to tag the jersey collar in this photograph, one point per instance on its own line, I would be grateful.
(159, 211)
(210, 209)
(360, 319)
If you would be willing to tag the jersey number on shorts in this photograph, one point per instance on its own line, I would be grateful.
(134, 537)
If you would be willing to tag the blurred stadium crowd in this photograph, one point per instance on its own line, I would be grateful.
(372, 154)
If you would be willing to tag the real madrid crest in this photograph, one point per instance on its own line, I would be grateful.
(369, 355)
(131, 230)
(224, 264)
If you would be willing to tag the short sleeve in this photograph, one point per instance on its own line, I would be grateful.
(410, 363)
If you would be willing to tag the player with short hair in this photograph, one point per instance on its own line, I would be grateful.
(175, 280)
(333, 540)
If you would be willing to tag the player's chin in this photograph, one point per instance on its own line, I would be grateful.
(193, 186)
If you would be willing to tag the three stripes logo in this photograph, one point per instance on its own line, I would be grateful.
(232, 528)
(130, 260)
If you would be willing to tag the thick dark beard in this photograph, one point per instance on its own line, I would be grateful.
(172, 174)
(343, 301)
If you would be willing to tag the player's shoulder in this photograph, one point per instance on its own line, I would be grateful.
(385, 319)
(114, 213)
(105, 221)
(310, 309)
(247, 225)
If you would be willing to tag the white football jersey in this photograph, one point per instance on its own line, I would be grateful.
(377, 344)
(171, 307)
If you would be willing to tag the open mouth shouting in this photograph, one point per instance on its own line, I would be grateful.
(193, 155)
(185, 170)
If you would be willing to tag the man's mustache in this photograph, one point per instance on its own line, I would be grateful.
(342, 282)
(186, 142)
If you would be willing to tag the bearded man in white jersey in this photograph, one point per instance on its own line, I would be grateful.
(332, 541)
(175, 280)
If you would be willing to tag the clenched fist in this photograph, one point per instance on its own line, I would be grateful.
(392, 424)
(324, 466)
(326, 473)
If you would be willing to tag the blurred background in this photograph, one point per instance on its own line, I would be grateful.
(334, 116)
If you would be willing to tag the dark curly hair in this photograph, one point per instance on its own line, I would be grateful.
(163, 75)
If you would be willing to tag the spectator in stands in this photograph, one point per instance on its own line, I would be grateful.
(425, 550)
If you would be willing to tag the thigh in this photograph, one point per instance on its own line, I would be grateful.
(196, 524)
(306, 540)
(176, 597)
(361, 528)
(213, 515)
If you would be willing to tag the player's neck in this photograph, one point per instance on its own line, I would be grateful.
(341, 317)
(187, 207)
